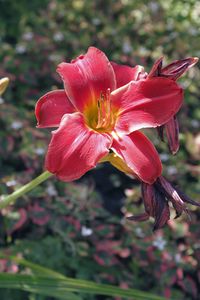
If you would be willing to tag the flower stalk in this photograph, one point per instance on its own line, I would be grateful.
(10, 199)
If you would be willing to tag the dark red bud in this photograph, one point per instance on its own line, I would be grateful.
(156, 69)
(187, 199)
(156, 205)
(162, 212)
(139, 218)
(168, 189)
(172, 132)
(178, 67)
(173, 195)
(148, 195)
(174, 70)
(160, 131)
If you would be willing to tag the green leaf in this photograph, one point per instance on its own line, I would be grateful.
(62, 288)
(35, 268)
(51, 283)
(36, 285)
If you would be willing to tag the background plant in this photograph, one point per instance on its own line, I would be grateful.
(83, 222)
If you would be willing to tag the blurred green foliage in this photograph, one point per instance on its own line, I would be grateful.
(65, 226)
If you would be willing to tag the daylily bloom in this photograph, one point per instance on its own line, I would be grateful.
(95, 117)
(99, 113)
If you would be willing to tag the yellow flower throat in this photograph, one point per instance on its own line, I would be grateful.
(101, 116)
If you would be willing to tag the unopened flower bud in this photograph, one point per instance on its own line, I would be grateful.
(172, 132)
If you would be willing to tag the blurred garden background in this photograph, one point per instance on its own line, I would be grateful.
(79, 228)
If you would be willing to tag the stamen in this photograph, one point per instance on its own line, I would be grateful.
(103, 107)
(105, 116)
(99, 114)
(108, 104)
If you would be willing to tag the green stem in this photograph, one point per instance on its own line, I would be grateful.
(10, 199)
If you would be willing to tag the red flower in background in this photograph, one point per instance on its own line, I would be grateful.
(99, 113)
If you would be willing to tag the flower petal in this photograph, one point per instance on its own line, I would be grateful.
(74, 148)
(124, 74)
(118, 163)
(164, 187)
(87, 77)
(146, 103)
(51, 107)
(140, 155)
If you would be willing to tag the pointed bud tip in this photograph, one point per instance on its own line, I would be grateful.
(174, 151)
(194, 61)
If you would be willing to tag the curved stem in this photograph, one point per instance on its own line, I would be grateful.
(10, 199)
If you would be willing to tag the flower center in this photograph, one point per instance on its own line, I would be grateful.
(100, 116)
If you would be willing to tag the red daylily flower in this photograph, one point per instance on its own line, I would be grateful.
(99, 113)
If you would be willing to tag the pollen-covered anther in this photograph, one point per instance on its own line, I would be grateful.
(105, 118)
